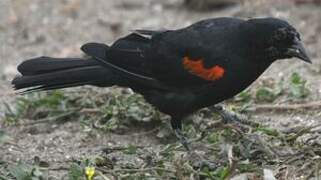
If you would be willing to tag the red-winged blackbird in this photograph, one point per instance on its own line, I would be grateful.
(177, 71)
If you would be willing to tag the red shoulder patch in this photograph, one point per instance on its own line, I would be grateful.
(196, 67)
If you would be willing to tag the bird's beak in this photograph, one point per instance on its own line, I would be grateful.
(297, 50)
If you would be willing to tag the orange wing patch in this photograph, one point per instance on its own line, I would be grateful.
(197, 67)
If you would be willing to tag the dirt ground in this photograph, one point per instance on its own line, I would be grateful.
(30, 28)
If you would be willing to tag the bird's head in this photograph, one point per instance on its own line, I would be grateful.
(274, 39)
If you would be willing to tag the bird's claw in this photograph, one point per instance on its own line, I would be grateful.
(233, 120)
(227, 116)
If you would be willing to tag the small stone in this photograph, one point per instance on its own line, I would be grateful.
(268, 174)
(285, 123)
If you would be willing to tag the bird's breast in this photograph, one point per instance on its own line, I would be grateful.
(234, 81)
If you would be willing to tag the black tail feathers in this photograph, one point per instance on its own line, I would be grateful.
(45, 73)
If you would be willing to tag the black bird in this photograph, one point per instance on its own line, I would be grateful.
(177, 71)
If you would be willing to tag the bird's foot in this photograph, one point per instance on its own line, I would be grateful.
(183, 140)
(230, 117)
(227, 116)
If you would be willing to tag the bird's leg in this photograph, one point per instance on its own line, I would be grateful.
(177, 127)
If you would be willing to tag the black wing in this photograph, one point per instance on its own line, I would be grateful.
(184, 58)
(194, 56)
